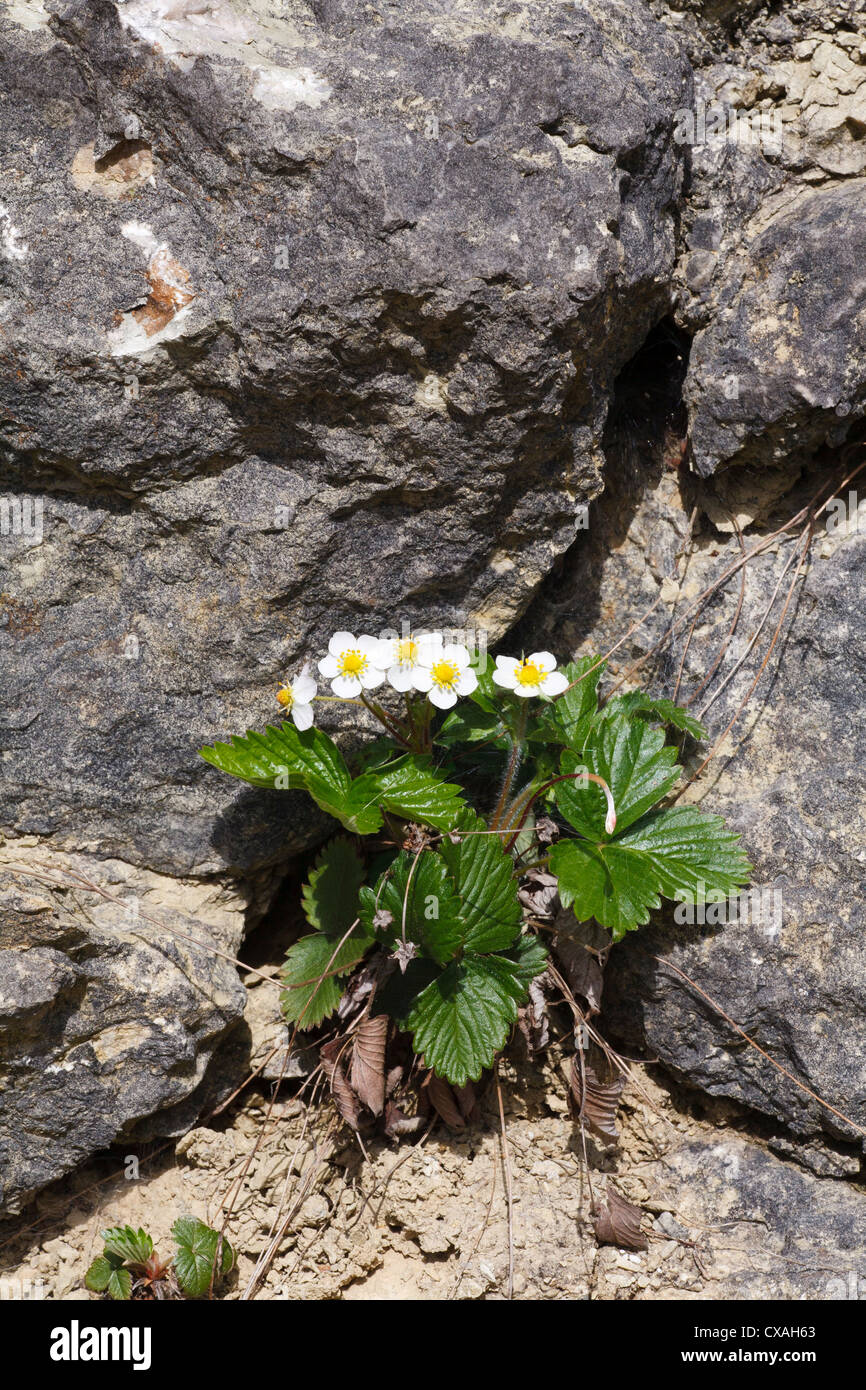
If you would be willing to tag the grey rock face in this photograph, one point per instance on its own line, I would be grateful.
(781, 369)
(786, 1234)
(308, 320)
(106, 1016)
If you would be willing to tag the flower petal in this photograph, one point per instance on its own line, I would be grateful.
(506, 678)
(430, 649)
(453, 651)
(369, 647)
(303, 716)
(341, 642)
(372, 678)
(524, 691)
(442, 699)
(346, 687)
(304, 689)
(466, 683)
(385, 654)
(555, 683)
(544, 659)
(422, 679)
(507, 663)
(329, 667)
(400, 677)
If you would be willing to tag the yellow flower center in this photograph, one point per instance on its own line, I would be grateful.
(445, 674)
(352, 662)
(285, 696)
(407, 652)
(528, 673)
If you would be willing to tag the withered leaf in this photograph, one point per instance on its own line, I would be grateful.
(595, 1101)
(443, 1100)
(581, 968)
(617, 1222)
(344, 1097)
(368, 1062)
(398, 1123)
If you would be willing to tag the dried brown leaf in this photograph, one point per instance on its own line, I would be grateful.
(581, 969)
(398, 1123)
(443, 1100)
(368, 1062)
(595, 1101)
(617, 1222)
(344, 1097)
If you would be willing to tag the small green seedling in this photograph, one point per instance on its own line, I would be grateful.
(130, 1267)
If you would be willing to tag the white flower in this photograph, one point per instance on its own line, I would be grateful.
(442, 670)
(296, 697)
(532, 675)
(398, 656)
(352, 664)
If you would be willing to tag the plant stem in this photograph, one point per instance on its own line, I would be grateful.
(511, 769)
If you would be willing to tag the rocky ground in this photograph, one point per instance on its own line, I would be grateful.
(724, 1217)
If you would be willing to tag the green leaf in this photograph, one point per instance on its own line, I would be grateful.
(634, 760)
(283, 758)
(330, 896)
(197, 1252)
(432, 908)
(665, 711)
(484, 877)
(120, 1284)
(470, 724)
(487, 694)
(311, 974)
(676, 853)
(412, 788)
(99, 1274)
(463, 1017)
(570, 716)
(357, 809)
(314, 964)
(127, 1244)
(529, 958)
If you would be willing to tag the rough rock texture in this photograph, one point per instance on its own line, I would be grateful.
(789, 964)
(337, 356)
(106, 1016)
(774, 238)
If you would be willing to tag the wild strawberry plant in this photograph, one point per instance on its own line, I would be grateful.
(129, 1265)
(441, 821)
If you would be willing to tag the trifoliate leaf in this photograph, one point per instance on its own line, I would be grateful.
(127, 1244)
(484, 877)
(421, 886)
(99, 1274)
(282, 758)
(412, 788)
(463, 1017)
(664, 711)
(634, 760)
(676, 853)
(196, 1263)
